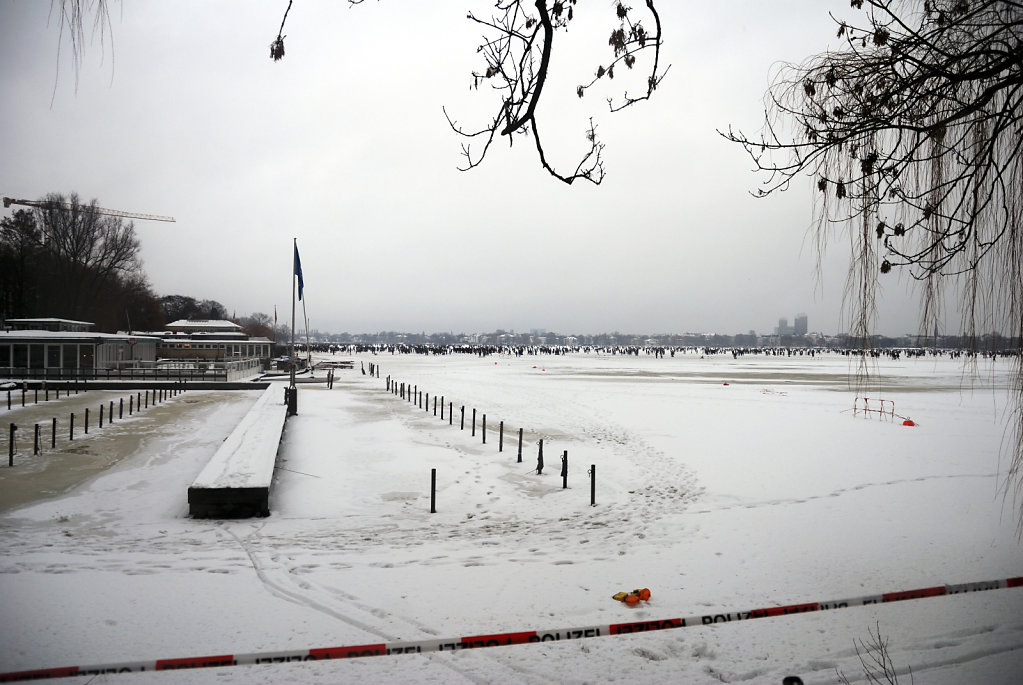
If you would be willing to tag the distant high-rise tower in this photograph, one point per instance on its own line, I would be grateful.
(800, 324)
(783, 327)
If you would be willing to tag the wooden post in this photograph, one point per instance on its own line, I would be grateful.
(86, 420)
(433, 491)
(564, 471)
(520, 446)
(120, 410)
(539, 459)
(441, 407)
(10, 446)
(131, 404)
(451, 414)
(500, 438)
(462, 427)
(71, 428)
(110, 413)
(101, 408)
(35, 442)
(53, 433)
(484, 429)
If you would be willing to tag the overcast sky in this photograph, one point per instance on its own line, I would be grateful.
(344, 146)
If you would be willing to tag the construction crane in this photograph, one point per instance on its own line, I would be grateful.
(99, 210)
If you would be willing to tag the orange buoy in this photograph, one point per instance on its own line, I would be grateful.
(908, 422)
(726, 383)
(644, 594)
(632, 600)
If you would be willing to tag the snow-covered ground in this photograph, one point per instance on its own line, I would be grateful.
(722, 485)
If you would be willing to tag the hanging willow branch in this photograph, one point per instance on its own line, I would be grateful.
(911, 136)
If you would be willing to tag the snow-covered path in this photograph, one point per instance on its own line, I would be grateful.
(765, 491)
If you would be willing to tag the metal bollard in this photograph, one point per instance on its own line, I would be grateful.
(593, 485)
(433, 491)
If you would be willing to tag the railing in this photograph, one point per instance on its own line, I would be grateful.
(177, 370)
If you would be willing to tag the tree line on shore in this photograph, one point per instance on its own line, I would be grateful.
(65, 259)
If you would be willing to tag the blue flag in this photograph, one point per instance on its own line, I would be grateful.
(298, 272)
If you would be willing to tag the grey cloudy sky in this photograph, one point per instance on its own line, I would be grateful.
(344, 146)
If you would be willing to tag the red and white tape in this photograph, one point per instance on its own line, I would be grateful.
(497, 639)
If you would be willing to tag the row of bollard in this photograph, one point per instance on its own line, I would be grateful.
(592, 474)
(415, 396)
(158, 395)
(68, 388)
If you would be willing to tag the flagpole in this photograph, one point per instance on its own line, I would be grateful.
(294, 277)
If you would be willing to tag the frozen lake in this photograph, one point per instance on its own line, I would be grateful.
(722, 485)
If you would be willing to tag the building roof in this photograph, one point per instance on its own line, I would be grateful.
(211, 325)
(43, 336)
(49, 324)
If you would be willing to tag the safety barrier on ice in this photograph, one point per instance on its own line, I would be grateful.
(497, 639)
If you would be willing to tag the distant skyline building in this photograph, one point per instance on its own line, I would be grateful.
(800, 326)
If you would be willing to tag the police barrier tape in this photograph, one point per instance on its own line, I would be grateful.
(497, 639)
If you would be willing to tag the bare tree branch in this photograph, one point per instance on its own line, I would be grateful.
(911, 136)
(517, 53)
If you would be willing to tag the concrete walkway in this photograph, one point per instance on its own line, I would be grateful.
(56, 470)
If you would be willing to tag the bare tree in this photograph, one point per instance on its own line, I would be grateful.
(90, 251)
(21, 256)
(517, 53)
(258, 324)
(911, 136)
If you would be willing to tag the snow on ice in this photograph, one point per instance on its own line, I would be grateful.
(722, 485)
